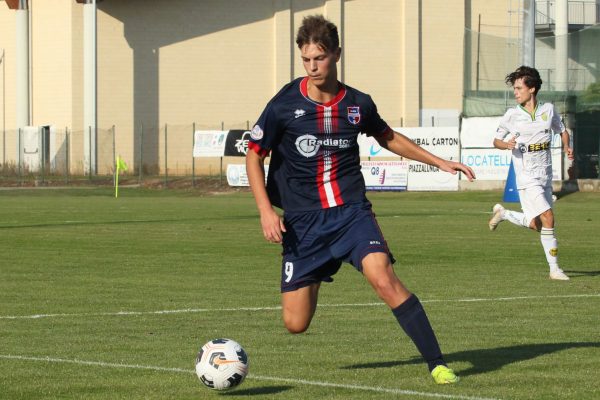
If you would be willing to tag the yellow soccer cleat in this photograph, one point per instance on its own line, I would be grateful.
(443, 375)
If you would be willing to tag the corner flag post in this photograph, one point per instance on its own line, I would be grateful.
(121, 166)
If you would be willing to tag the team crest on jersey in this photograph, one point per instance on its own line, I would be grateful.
(545, 116)
(354, 115)
(257, 133)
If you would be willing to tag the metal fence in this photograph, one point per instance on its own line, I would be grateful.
(48, 155)
(580, 12)
(162, 156)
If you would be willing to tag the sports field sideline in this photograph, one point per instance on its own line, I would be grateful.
(104, 298)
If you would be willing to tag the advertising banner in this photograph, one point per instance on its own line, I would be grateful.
(368, 147)
(478, 131)
(209, 143)
(489, 163)
(385, 175)
(237, 176)
(236, 144)
(441, 141)
(444, 143)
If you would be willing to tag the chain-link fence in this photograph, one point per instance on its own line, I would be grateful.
(159, 155)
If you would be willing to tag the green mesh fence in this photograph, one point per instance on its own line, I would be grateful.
(488, 59)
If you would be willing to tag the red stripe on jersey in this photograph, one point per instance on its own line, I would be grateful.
(334, 184)
(334, 161)
(335, 112)
(304, 86)
(320, 184)
(321, 119)
(327, 164)
(257, 149)
(339, 96)
(320, 157)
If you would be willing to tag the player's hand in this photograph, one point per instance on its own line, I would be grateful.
(569, 152)
(272, 226)
(512, 143)
(453, 167)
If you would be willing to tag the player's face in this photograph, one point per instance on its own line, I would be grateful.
(320, 65)
(522, 93)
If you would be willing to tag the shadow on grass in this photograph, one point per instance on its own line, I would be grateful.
(259, 391)
(487, 360)
(579, 274)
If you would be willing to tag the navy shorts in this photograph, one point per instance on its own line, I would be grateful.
(317, 242)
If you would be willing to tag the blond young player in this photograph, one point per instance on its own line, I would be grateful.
(310, 130)
(526, 130)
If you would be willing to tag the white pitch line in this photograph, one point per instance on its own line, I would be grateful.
(275, 308)
(250, 376)
(372, 388)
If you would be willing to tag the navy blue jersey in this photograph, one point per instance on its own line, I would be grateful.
(315, 162)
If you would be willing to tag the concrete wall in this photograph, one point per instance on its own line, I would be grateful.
(217, 63)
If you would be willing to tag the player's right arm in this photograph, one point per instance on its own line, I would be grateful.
(502, 145)
(503, 131)
(271, 222)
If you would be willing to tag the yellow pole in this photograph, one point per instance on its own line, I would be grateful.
(117, 178)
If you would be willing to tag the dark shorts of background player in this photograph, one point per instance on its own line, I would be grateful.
(317, 242)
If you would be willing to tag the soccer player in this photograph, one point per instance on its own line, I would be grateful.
(310, 128)
(526, 130)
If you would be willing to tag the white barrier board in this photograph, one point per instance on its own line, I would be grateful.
(209, 143)
(385, 175)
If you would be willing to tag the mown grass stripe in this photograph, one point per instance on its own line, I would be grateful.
(275, 308)
(250, 376)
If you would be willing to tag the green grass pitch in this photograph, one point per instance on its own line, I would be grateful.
(104, 298)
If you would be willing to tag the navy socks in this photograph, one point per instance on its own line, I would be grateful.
(412, 318)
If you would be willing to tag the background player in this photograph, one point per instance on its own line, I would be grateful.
(528, 127)
(310, 128)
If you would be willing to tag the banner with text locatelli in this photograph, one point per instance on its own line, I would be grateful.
(488, 163)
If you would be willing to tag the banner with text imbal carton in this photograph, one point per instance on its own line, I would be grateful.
(441, 141)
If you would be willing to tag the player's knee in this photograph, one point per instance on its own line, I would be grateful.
(296, 322)
(295, 326)
(385, 288)
(295, 330)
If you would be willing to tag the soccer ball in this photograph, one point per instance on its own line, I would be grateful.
(221, 364)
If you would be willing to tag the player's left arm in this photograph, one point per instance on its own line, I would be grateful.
(566, 142)
(557, 125)
(401, 145)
